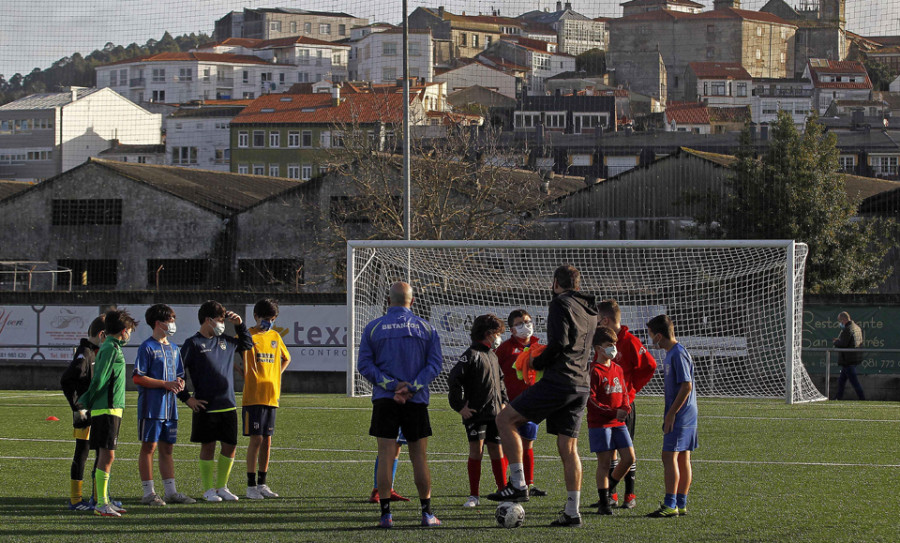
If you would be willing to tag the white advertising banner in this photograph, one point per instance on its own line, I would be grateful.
(315, 335)
(18, 326)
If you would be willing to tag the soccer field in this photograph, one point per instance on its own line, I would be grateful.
(765, 471)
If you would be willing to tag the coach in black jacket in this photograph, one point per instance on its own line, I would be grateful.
(561, 394)
(851, 337)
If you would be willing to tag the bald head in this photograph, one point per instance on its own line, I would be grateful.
(400, 294)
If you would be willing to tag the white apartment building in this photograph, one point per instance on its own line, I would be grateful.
(721, 84)
(315, 60)
(43, 135)
(541, 59)
(200, 137)
(837, 80)
(378, 56)
(794, 96)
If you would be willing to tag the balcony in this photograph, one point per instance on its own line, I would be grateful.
(137, 82)
(224, 82)
(783, 93)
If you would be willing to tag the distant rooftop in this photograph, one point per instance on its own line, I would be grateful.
(48, 100)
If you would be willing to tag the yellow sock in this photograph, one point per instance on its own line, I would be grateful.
(224, 471)
(102, 487)
(74, 491)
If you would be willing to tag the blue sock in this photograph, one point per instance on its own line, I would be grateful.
(394, 472)
(681, 500)
(375, 484)
(670, 501)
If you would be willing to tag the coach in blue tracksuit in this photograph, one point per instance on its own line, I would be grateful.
(400, 354)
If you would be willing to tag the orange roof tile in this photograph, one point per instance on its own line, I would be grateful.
(822, 66)
(687, 113)
(364, 108)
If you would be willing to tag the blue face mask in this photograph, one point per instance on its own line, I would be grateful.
(265, 325)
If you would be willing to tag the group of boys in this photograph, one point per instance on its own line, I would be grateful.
(503, 390)
(94, 384)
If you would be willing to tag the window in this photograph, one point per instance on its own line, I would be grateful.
(281, 78)
(186, 74)
(306, 140)
(336, 59)
(243, 168)
(710, 52)
(782, 57)
(389, 48)
(275, 25)
(86, 212)
(293, 27)
(221, 156)
(345, 209)
(337, 140)
(527, 120)
(758, 54)
(303, 57)
(113, 78)
(259, 169)
(307, 27)
(783, 33)
(90, 273)
(306, 172)
(414, 50)
(342, 30)
(303, 77)
(319, 58)
(848, 163)
(293, 171)
(243, 139)
(274, 139)
(293, 139)
(265, 77)
(770, 108)
(184, 155)
(463, 39)
(42, 155)
(274, 170)
(158, 96)
(487, 41)
(718, 88)
(259, 138)
(271, 272)
(705, 88)
(324, 28)
(555, 120)
(742, 89)
(177, 272)
(388, 74)
(245, 76)
(207, 72)
(474, 40)
(885, 165)
(158, 75)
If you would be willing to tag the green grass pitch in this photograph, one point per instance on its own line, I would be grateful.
(765, 471)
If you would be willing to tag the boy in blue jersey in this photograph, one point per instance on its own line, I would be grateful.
(400, 354)
(680, 423)
(208, 357)
(159, 376)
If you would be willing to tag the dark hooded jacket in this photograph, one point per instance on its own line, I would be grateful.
(571, 322)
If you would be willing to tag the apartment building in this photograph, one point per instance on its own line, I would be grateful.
(575, 33)
(273, 23)
(540, 60)
(770, 96)
(314, 59)
(837, 80)
(199, 136)
(378, 56)
(725, 84)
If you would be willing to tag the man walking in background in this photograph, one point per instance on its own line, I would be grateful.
(851, 337)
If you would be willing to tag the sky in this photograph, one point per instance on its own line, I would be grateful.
(36, 33)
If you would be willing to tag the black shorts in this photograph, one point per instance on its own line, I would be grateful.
(478, 431)
(389, 417)
(105, 432)
(259, 420)
(211, 427)
(629, 422)
(562, 408)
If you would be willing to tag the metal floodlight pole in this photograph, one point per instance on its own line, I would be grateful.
(407, 191)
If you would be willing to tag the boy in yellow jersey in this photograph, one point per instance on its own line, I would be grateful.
(262, 369)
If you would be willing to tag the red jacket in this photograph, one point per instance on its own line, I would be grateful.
(608, 395)
(638, 365)
(507, 353)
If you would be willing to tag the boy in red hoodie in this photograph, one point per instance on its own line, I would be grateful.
(607, 409)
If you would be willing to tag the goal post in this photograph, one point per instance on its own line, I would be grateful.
(737, 305)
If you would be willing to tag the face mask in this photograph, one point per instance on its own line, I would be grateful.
(218, 328)
(170, 329)
(611, 351)
(126, 340)
(842, 325)
(265, 325)
(524, 330)
(496, 342)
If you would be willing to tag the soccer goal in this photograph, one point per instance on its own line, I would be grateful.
(737, 305)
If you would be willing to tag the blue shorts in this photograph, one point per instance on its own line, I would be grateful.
(680, 439)
(153, 430)
(528, 431)
(609, 439)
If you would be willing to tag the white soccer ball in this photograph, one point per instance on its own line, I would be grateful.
(510, 515)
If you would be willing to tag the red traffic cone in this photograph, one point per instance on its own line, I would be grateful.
(51, 417)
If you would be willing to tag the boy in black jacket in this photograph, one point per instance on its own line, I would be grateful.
(74, 382)
(478, 393)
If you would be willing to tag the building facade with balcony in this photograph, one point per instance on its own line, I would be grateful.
(837, 80)
(575, 33)
(725, 84)
(794, 96)
(378, 56)
(315, 60)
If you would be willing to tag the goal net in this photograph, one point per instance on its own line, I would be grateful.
(737, 305)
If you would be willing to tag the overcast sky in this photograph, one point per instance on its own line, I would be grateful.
(35, 33)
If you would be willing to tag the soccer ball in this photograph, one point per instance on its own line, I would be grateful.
(510, 515)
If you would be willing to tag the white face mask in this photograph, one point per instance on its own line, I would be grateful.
(170, 328)
(218, 328)
(496, 342)
(524, 330)
(611, 352)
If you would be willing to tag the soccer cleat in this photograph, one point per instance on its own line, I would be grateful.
(614, 499)
(604, 509)
(664, 512)
(83, 505)
(566, 520)
(471, 502)
(535, 491)
(373, 497)
(180, 497)
(682, 511)
(266, 491)
(211, 496)
(117, 507)
(253, 493)
(509, 494)
(226, 494)
(630, 502)
(153, 500)
(397, 497)
(429, 520)
(106, 511)
(387, 521)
